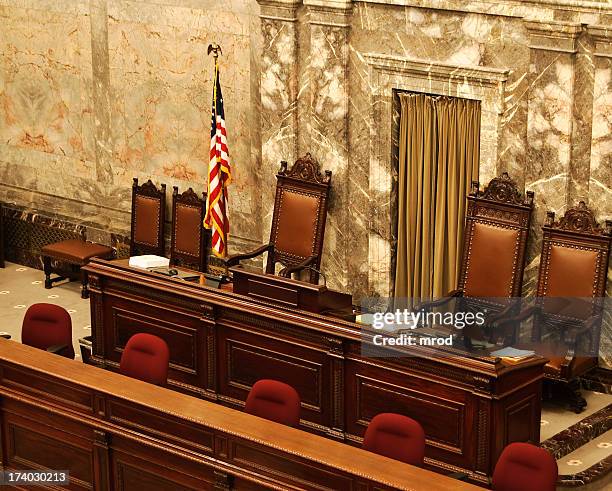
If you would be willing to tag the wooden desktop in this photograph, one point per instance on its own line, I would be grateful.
(470, 406)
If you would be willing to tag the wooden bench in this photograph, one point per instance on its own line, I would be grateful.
(76, 252)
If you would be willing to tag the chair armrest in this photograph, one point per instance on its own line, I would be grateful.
(437, 303)
(57, 349)
(572, 335)
(289, 270)
(520, 317)
(499, 327)
(236, 258)
(505, 312)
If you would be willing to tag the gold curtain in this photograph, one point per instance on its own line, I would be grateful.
(439, 154)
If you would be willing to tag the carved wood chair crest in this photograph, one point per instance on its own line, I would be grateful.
(502, 189)
(149, 189)
(579, 219)
(306, 169)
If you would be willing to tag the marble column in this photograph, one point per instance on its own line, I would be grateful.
(582, 121)
(551, 112)
(324, 85)
(101, 92)
(600, 177)
(279, 91)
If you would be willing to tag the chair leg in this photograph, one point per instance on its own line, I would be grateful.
(565, 393)
(47, 270)
(576, 401)
(84, 287)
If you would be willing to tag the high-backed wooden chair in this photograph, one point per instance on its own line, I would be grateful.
(495, 239)
(298, 222)
(189, 238)
(571, 287)
(148, 218)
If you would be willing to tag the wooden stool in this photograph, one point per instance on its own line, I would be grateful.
(76, 252)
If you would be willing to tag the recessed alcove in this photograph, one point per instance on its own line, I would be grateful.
(388, 76)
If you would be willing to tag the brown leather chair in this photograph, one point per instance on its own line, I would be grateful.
(148, 219)
(188, 243)
(493, 257)
(568, 308)
(298, 222)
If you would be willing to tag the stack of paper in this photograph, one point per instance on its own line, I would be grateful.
(510, 352)
(149, 261)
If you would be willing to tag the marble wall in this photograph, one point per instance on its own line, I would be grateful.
(94, 92)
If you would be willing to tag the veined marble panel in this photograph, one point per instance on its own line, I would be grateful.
(280, 66)
(45, 82)
(600, 185)
(93, 93)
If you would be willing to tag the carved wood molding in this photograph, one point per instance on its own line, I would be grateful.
(148, 189)
(503, 189)
(579, 219)
(188, 197)
(306, 169)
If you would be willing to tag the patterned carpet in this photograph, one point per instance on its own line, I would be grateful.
(21, 287)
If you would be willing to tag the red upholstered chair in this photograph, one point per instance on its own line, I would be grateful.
(396, 436)
(525, 467)
(48, 327)
(146, 358)
(274, 400)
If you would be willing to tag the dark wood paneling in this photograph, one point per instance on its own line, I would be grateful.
(287, 469)
(158, 426)
(148, 437)
(444, 419)
(519, 419)
(182, 336)
(66, 394)
(245, 358)
(460, 400)
(135, 471)
(40, 444)
(181, 330)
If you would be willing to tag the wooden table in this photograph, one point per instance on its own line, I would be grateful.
(221, 343)
(115, 433)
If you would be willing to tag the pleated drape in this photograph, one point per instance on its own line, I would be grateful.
(439, 153)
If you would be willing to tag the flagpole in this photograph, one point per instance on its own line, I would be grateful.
(216, 50)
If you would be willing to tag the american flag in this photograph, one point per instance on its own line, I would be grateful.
(219, 175)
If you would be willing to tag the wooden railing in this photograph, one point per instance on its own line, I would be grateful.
(113, 432)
